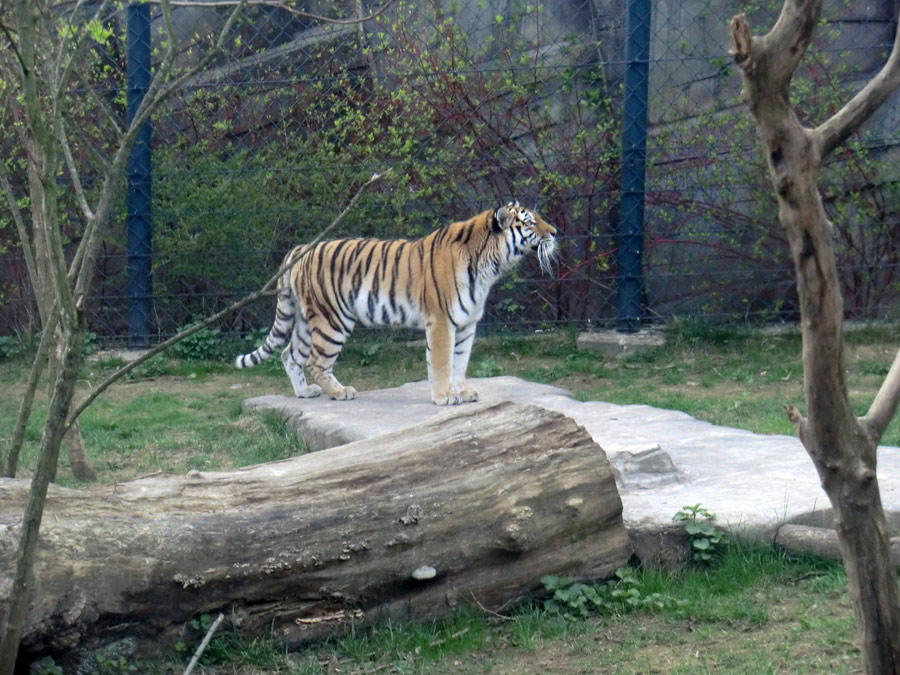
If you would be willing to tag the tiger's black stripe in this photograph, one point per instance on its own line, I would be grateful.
(439, 282)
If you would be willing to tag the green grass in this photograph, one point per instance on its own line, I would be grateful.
(184, 416)
(175, 415)
(757, 611)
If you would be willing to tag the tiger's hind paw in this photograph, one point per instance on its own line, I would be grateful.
(468, 395)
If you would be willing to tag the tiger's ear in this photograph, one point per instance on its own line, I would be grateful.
(502, 219)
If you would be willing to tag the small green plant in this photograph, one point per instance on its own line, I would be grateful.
(617, 596)
(707, 540)
(488, 368)
(10, 347)
(113, 666)
(204, 345)
(91, 344)
(46, 666)
(370, 353)
(155, 366)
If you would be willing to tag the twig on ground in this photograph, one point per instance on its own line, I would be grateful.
(204, 644)
(490, 612)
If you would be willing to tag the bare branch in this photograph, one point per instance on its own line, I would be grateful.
(61, 68)
(40, 131)
(73, 173)
(848, 119)
(790, 36)
(786, 42)
(885, 404)
(157, 84)
(12, 43)
(162, 346)
(742, 43)
(156, 93)
(21, 228)
(40, 361)
(253, 297)
(89, 91)
(281, 4)
(204, 644)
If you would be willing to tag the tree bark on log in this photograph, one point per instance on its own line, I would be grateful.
(473, 506)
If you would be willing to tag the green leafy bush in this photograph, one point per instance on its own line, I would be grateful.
(488, 368)
(617, 596)
(203, 345)
(706, 540)
(10, 347)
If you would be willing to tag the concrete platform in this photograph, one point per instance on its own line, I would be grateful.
(613, 343)
(664, 459)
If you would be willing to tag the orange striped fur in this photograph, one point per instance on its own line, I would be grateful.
(438, 283)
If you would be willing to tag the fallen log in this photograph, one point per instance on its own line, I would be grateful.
(473, 506)
(822, 542)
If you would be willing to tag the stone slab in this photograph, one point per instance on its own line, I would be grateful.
(614, 343)
(664, 459)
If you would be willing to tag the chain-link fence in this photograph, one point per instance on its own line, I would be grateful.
(471, 103)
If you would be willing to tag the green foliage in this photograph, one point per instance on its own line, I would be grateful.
(715, 214)
(228, 205)
(202, 345)
(10, 348)
(615, 597)
(91, 344)
(369, 354)
(706, 540)
(46, 666)
(114, 665)
(152, 367)
(487, 368)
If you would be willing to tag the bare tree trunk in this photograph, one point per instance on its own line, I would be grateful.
(19, 590)
(34, 375)
(43, 208)
(42, 50)
(473, 506)
(78, 461)
(842, 447)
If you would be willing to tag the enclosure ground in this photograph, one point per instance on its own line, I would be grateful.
(754, 613)
(176, 415)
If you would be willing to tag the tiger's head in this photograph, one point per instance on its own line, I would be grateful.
(526, 231)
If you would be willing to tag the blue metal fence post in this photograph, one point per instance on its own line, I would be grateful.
(634, 154)
(138, 220)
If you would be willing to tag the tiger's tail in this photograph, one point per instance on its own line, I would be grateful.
(280, 331)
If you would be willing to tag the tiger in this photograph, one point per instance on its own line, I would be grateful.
(438, 284)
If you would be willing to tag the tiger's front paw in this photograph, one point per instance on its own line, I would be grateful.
(446, 398)
(343, 394)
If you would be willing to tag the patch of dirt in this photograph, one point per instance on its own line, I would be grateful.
(880, 353)
(247, 423)
(578, 382)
